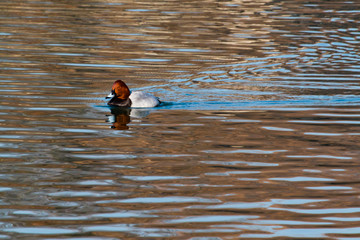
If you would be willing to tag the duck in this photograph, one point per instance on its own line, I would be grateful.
(121, 96)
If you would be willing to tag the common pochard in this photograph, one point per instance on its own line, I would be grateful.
(121, 96)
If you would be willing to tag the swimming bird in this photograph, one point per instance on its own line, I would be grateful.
(121, 96)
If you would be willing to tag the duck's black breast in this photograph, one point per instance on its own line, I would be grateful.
(120, 102)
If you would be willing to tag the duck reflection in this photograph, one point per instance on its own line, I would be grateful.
(120, 117)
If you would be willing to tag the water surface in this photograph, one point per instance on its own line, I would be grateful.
(258, 136)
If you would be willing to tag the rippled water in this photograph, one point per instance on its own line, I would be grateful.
(258, 136)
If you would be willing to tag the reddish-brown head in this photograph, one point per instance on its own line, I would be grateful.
(120, 90)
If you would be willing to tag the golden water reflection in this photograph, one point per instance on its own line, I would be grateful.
(258, 136)
(178, 174)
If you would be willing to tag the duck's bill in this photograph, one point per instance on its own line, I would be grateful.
(111, 95)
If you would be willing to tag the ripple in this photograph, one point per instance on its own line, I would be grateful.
(302, 179)
(260, 205)
(97, 65)
(13, 155)
(104, 156)
(149, 60)
(248, 151)
(83, 238)
(124, 214)
(342, 219)
(213, 218)
(327, 188)
(41, 230)
(278, 129)
(175, 199)
(323, 134)
(83, 194)
(304, 233)
(231, 163)
(131, 228)
(156, 178)
(319, 156)
(321, 211)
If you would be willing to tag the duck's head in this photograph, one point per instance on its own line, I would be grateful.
(119, 90)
